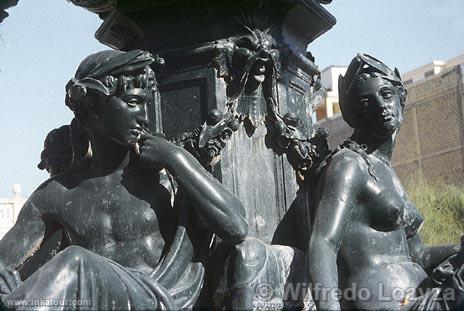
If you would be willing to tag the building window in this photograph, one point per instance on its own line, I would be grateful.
(428, 74)
(321, 114)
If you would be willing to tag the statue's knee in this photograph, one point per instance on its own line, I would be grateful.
(250, 252)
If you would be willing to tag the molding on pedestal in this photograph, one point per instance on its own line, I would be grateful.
(119, 32)
(295, 22)
(6, 4)
(96, 6)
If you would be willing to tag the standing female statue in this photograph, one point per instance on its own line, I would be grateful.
(130, 247)
(365, 234)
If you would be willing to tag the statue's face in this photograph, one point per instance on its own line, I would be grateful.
(122, 116)
(380, 112)
(260, 45)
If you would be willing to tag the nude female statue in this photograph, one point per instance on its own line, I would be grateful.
(130, 248)
(365, 232)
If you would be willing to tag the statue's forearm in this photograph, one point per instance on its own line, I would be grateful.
(435, 255)
(220, 210)
(14, 253)
(322, 263)
(24, 239)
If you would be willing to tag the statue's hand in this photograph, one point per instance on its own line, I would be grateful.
(9, 281)
(155, 150)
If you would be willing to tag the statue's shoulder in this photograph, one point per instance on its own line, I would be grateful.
(343, 158)
(49, 193)
(342, 165)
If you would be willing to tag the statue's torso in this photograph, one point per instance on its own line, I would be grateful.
(126, 219)
(374, 250)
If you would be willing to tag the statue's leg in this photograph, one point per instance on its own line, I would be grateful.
(79, 279)
(267, 277)
(246, 265)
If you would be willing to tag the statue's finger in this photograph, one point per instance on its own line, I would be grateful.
(8, 279)
(149, 133)
(4, 289)
(144, 150)
(145, 130)
(16, 278)
(144, 136)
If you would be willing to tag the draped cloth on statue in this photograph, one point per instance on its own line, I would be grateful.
(447, 292)
(78, 278)
(275, 275)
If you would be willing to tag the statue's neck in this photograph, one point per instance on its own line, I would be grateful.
(108, 156)
(380, 147)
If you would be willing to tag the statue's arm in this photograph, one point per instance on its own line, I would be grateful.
(338, 192)
(221, 211)
(24, 238)
(430, 257)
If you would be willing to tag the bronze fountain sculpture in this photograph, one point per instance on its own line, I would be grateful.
(137, 216)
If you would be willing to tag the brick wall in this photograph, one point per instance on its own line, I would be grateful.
(431, 140)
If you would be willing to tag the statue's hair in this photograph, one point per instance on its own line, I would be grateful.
(56, 155)
(111, 73)
(361, 68)
(64, 148)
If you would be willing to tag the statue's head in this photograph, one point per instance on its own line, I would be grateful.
(112, 92)
(57, 156)
(256, 51)
(372, 96)
(63, 148)
(247, 61)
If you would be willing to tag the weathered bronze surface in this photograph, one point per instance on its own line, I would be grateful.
(195, 179)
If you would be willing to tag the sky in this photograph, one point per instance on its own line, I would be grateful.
(43, 41)
(402, 33)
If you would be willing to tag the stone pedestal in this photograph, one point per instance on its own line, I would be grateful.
(188, 34)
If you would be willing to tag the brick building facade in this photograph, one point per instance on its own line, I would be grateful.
(431, 140)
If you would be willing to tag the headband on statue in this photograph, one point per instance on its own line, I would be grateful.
(107, 65)
(366, 64)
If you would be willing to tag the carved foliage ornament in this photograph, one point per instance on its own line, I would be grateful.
(303, 153)
(207, 141)
(250, 66)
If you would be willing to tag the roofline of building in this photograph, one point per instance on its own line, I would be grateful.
(333, 66)
(434, 63)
